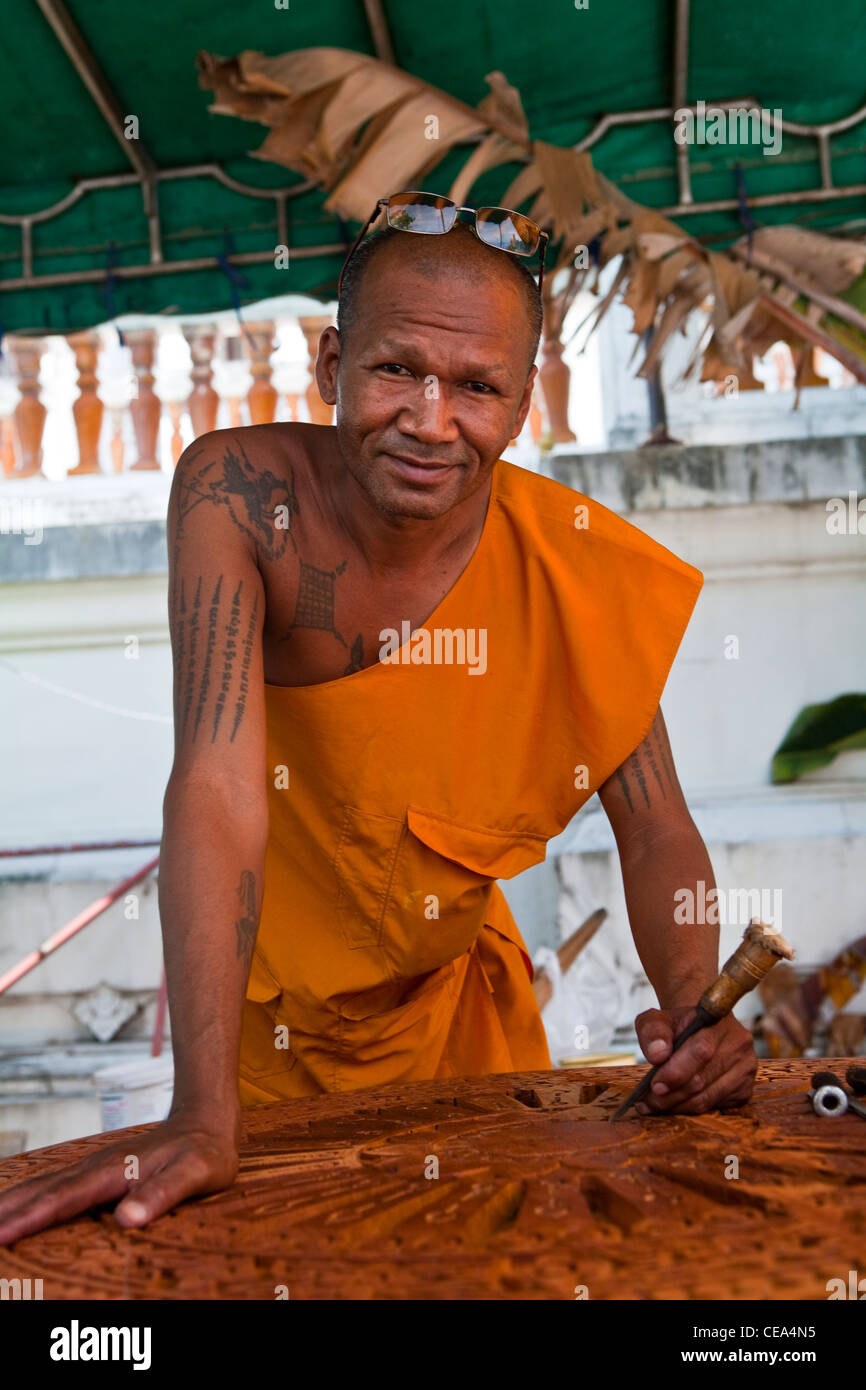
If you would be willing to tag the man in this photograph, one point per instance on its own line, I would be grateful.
(401, 665)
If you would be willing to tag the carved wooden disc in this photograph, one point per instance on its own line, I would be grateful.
(536, 1195)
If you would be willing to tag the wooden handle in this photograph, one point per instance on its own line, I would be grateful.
(567, 954)
(757, 953)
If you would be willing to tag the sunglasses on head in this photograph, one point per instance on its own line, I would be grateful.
(432, 215)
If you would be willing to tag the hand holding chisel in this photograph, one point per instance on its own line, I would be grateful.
(757, 953)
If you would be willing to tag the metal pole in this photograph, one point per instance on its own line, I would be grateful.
(681, 78)
(83, 919)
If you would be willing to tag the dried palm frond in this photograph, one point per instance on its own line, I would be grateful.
(361, 128)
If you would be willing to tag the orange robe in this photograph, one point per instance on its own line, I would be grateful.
(386, 950)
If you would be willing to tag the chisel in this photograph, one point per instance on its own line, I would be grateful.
(757, 953)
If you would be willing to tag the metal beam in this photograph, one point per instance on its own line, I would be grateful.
(681, 82)
(134, 272)
(97, 84)
(25, 222)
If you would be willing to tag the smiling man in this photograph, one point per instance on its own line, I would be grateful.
(342, 802)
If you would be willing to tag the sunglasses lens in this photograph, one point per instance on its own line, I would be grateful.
(421, 212)
(510, 231)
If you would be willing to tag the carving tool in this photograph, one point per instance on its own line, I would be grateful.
(760, 949)
(856, 1078)
(830, 1097)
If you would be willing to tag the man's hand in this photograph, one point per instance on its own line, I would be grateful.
(714, 1070)
(183, 1157)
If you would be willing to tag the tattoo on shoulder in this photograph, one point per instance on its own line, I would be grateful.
(246, 925)
(259, 503)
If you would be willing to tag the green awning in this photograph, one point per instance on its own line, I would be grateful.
(571, 66)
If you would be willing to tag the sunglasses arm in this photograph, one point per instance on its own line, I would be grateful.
(544, 241)
(359, 238)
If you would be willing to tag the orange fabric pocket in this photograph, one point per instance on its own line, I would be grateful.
(441, 885)
(363, 865)
(419, 888)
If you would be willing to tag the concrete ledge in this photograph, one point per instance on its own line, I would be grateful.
(715, 475)
(750, 816)
(90, 528)
(85, 552)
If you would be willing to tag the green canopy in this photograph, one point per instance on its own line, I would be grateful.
(73, 75)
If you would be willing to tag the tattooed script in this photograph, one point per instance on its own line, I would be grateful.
(197, 622)
(646, 771)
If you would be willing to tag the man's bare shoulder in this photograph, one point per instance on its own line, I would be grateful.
(281, 445)
(249, 476)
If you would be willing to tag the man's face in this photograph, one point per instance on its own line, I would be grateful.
(430, 386)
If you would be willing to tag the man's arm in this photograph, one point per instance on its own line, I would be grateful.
(215, 820)
(661, 854)
(211, 864)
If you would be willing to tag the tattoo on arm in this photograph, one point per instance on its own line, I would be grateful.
(623, 785)
(194, 623)
(204, 677)
(648, 770)
(246, 925)
(241, 702)
(229, 655)
(214, 632)
(213, 613)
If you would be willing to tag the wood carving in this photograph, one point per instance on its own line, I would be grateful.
(537, 1195)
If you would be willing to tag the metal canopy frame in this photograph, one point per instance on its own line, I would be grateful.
(147, 175)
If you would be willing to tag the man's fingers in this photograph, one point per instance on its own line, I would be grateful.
(655, 1034)
(693, 1057)
(187, 1175)
(681, 1099)
(42, 1202)
(727, 1075)
(732, 1088)
(171, 1162)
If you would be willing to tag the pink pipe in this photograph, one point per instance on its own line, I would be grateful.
(94, 910)
(75, 849)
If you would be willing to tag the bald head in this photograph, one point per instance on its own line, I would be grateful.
(458, 255)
